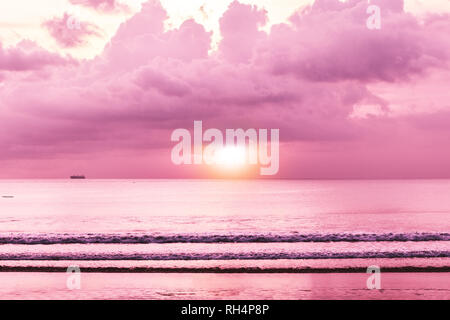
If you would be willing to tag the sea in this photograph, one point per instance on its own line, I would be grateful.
(224, 239)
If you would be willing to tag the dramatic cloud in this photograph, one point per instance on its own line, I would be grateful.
(331, 42)
(28, 56)
(323, 79)
(240, 31)
(70, 32)
(101, 5)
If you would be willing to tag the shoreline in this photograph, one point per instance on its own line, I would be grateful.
(231, 286)
(406, 269)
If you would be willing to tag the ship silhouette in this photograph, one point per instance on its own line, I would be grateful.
(77, 177)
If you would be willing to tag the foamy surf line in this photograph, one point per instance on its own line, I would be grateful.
(227, 270)
(235, 266)
(215, 238)
(226, 256)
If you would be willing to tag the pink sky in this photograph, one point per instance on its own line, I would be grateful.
(349, 102)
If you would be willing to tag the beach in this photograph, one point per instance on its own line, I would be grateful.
(219, 239)
(190, 286)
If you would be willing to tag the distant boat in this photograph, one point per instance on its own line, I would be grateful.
(78, 177)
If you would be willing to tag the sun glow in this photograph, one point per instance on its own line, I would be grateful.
(230, 156)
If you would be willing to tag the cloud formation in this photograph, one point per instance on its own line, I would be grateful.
(101, 5)
(28, 56)
(307, 78)
(69, 32)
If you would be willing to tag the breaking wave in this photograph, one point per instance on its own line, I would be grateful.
(224, 256)
(129, 238)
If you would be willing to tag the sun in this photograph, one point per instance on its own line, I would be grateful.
(230, 156)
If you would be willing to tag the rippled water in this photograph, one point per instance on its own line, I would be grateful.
(210, 225)
(223, 286)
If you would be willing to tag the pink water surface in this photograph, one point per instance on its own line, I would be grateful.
(224, 286)
(220, 206)
(115, 211)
